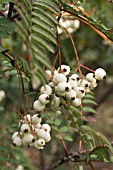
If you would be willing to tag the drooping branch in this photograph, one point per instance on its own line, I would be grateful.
(78, 157)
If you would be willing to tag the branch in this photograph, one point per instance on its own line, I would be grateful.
(77, 157)
(11, 7)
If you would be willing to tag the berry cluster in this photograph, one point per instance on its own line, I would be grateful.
(32, 132)
(63, 89)
(69, 87)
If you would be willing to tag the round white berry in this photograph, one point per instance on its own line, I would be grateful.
(58, 78)
(37, 126)
(90, 77)
(46, 89)
(76, 102)
(40, 142)
(15, 134)
(41, 133)
(46, 127)
(84, 83)
(80, 92)
(27, 139)
(100, 74)
(36, 119)
(48, 139)
(49, 73)
(38, 147)
(93, 84)
(17, 141)
(87, 89)
(25, 128)
(74, 77)
(64, 69)
(60, 93)
(38, 106)
(44, 98)
(58, 112)
(70, 95)
(73, 84)
(64, 87)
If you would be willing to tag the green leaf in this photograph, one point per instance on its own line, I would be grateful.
(102, 153)
(88, 101)
(79, 121)
(50, 121)
(58, 137)
(55, 128)
(68, 138)
(73, 125)
(5, 31)
(64, 129)
(70, 117)
(4, 148)
(90, 96)
(37, 30)
(88, 109)
(57, 122)
(95, 137)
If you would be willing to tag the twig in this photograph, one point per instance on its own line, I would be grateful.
(11, 7)
(77, 157)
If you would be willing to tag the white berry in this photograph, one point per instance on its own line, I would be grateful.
(37, 126)
(80, 92)
(15, 134)
(70, 95)
(48, 139)
(84, 83)
(58, 78)
(37, 146)
(65, 69)
(46, 127)
(27, 139)
(74, 77)
(44, 98)
(38, 106)
(46, 90)
(17, 141)
(90, 77)
(64, 87)
(41, 133)
(36, 119)
(100, 74)
(73, 84)
(39, 142)
(76, 102)
(93, 84)
(25, 128)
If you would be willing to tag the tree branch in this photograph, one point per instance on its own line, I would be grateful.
(77, 157)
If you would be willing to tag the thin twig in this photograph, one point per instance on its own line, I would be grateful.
(77, 157)
(11, 7)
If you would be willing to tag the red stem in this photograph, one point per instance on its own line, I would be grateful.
(87, 68)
